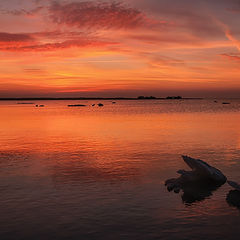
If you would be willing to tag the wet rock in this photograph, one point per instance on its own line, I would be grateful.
(233, 198)
(203, 177)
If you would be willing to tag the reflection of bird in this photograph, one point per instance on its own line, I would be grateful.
(198, 183)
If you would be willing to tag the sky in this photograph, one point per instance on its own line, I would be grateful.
(122, 48)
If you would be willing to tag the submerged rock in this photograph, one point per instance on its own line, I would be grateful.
(100, 105)
(233, 197)
(202, 176)
(76, 105)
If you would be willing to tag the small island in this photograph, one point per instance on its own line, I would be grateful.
(143, 97)
(174, 97)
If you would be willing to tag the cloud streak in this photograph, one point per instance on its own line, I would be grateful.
(233, 57)
(15, 37)
(23, 12)
(50, 41)
(18, 44)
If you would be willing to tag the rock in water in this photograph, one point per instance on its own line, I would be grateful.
(233, 197)
(202, 173)
(204, 170)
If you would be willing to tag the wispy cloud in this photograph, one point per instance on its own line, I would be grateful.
(230, 56)
(19, 12)
(228, 34)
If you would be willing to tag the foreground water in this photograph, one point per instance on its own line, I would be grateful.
(99, 172)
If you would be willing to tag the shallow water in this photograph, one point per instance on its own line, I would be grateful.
(99, 172)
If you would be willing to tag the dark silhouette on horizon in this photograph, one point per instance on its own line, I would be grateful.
(88, 98)
(174, 97)
(143, 97)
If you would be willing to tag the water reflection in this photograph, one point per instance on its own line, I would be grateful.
(57, 166)
(193, 191)
(198, 191)
(87, 169)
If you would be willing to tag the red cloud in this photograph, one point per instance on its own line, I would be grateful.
(15, 37)
(17, 40)
(26, 42)
(88, 14)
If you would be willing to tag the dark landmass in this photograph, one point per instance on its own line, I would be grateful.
(82, 98)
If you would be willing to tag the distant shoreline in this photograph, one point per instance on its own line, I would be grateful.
(82, 98)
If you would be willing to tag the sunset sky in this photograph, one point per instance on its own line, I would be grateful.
(73, 48)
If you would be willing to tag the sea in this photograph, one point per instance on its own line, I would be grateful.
(98, 173)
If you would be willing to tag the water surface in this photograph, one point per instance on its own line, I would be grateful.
(99, 172)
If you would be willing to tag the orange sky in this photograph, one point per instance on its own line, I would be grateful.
(119, 48)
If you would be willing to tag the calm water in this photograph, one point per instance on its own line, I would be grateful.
(99, 172)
